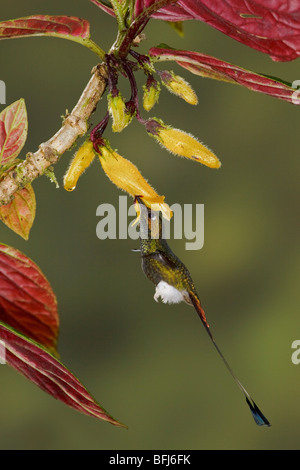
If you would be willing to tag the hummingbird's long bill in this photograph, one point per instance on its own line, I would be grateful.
(258, 416)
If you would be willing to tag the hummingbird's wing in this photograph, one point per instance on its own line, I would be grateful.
(163, 259)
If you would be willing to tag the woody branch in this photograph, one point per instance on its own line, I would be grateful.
(74, 125)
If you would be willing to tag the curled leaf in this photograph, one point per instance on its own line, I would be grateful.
(19, 214)
(207, 66)
(103, 5)
(13, 131)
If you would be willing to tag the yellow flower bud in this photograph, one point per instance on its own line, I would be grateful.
(127, 177)
(81, 161)
(117, 109)
(181, 143)
(151, 95)
(177, 85)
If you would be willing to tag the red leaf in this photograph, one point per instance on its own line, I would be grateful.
(173, 13)
(207, 66)
(270, 26)
(41, 25)
(19, 214)
(49, 374)
(140, 7)
(104, 7)
(13, 131)
(27, 302)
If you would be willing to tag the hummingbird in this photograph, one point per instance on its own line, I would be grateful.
(174, 284)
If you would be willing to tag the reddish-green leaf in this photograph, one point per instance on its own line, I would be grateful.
(27, 302)
(174, 12)
(207, 66)
(19, 214)
(13, 131)
(104, 6)
(270, 26)
(49, 374)
(144, 8)
(45, 25)
(149, 6)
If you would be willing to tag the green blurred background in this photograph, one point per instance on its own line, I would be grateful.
(150, 365)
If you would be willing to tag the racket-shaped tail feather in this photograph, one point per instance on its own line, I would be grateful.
(258, 416)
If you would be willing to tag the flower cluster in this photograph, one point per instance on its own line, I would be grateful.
(120, 112)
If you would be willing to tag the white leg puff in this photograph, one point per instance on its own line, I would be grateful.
(168, 294)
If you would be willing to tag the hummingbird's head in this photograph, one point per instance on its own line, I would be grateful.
(150, 221)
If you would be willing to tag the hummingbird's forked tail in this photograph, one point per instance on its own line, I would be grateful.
(259, 418)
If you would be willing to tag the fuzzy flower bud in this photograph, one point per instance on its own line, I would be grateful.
(117, 109)
(177, 85)
(127, 177)
(151, 93)
(81, 161)
(181, 143)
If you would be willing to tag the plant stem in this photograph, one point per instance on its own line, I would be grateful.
(89, 43)
(94, 48)
(119, 14)
(74, 125)
(124, 42)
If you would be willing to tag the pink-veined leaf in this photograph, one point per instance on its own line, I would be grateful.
(13, 131)
(45, 25)
(170, 13)
(104, 6)
(207, 66)
(270, 26)
(27, 301)
(19, 214)
(44, 370)
(140, 7)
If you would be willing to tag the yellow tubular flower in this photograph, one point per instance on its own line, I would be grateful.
(81, 161)
(177, 85)
(181, 143)
(126, 176)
